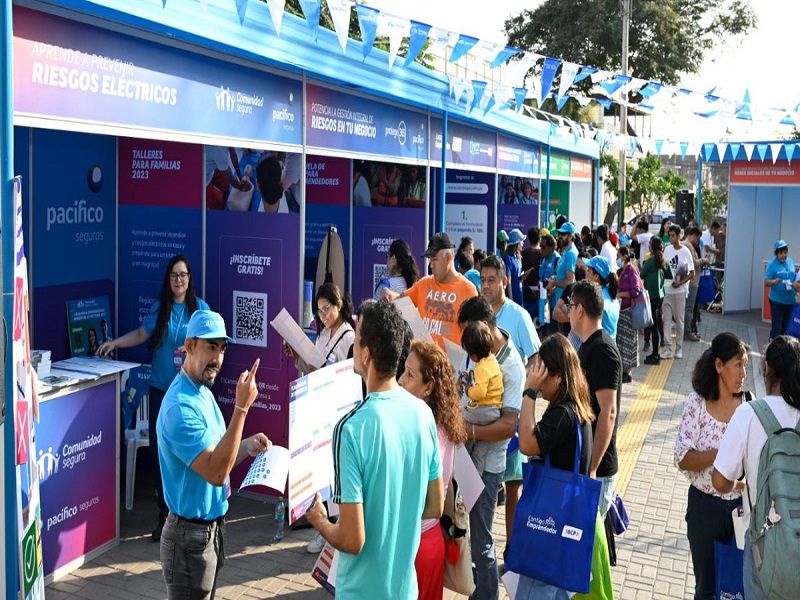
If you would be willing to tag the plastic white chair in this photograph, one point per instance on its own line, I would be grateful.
(136, 438)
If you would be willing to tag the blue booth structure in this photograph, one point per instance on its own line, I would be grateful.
(122, 119)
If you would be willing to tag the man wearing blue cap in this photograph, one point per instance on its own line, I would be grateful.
(197, 454)
(565, 271)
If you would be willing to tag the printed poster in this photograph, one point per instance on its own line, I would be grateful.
(89, 324)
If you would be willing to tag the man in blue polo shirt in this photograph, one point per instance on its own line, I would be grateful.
(565, 271)
(197, 454)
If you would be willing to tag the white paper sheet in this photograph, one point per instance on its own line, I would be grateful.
(270, 468)
(411, 315)
(334, 568)
(92, 367)
(469, 480)
(511, 581)
(455, 354)
(290, 331)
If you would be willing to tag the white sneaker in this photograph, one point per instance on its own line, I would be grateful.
(316, 544)
(666, 354)
(679, 352)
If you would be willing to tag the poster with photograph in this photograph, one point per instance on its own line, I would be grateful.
(89, 325)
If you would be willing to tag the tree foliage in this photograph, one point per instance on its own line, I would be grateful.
(646, 184)
(713, 202)
(667, 38)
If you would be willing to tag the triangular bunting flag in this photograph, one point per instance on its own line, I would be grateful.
(395, 28)
(520, 68)
(163, 3)
(659, 144)
(748, 151)
(478, 88)
(311, 13)
(417, 37)
(789, 149)
(632, 145)
(650, 89)
(442, 37)
(746, 98)
(721, 148)
(762, 151)
(568, 74)
(684, 149)
(775, 149)
(368, 24)
(340, 15)
(560, 102)
(604, 102)
(584, 73)
(459, 87)
(275, 11)
(504, 54)
(463, 45)
(601, 75)
(708, 149)
(614, 84)
(519, 97)
(490, 103)
(734, 150)
(486, 50)
(548, 75)
(241, 9)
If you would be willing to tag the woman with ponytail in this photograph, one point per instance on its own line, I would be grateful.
(402, 268)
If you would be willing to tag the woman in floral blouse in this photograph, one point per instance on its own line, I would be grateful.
(718, 381)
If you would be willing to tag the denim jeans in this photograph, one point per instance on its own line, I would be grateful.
(191, 557)
(484, 555)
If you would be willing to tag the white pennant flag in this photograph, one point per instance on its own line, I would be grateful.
(459, 87)
(442, 37)
(520, 68)
(487, 51)
(340, 15)
(775, 149)
(748, 150)
(600, 75)
(568, 73)
(722, 147)
(395, 28)
(276, 12)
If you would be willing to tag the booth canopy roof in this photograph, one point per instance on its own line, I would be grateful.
(218, 30)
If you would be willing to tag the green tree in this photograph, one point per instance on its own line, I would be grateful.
(668, 38)
(713, 202)
(644, 186)
(671, 182)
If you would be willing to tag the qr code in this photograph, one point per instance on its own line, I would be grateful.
(379, 272)
(250, 318)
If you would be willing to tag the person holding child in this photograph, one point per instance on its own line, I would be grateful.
(484, 382)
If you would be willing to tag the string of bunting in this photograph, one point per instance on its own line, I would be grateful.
(608, 87)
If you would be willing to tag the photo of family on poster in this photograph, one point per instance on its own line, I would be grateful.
(517, 190)
(388, 184)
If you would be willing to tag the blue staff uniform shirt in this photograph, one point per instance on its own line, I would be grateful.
(568, 262)
(517, 322)
(164, 370)
(610, 313)
(189, 422)
(514, 272)
(783, 271)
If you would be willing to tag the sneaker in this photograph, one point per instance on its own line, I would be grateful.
(501, 496)
(666, 354)
(646, 346)
(316, 544)
(692, 337)
(679, 353)
(156, 535)
(626, 378)
(652, 359)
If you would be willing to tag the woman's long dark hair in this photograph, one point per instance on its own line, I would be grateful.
(332, 293)
(405, 261)
(560, 358)
(167, 301)
(657, 250)
(783, 357)
(705, 379)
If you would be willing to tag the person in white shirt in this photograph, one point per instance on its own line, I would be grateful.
(607, 250)
(641, 232)
(707, 249)
(676, 291)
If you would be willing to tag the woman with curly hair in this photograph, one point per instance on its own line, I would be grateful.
(429, 376)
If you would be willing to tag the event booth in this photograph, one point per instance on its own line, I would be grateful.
(127, 117)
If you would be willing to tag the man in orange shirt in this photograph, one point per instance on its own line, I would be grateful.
(439, 296)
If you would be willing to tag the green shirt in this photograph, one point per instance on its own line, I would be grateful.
(653, 277)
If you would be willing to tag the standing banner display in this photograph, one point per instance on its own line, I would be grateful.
(160, 200)
(73, 209)
(253, 271)
(75, 72)
(25, 412)
(518, 185)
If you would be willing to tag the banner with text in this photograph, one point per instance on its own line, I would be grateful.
(65, 69)
(466, 145)
(470, 206)
(779, 173)
(337, 121)
(517, 157)
(327, 203)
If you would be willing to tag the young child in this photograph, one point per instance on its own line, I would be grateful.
(484, 382)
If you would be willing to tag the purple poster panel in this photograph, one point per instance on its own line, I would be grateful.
(466, 145)
(374, 229)
(160, 200)
(76, 439)
(327, 203)
(517, 156)
(518, 202)
(253, 271)
(73, 203)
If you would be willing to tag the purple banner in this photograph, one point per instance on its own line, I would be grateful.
(517, 217)
(253, 271)
(76, 439)
(373, 232)
(466, 145)
(338, 121)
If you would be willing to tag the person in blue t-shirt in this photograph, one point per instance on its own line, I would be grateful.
(512, 257)
(780, 278)
(599, 270)
(165, 326)
(565, 269)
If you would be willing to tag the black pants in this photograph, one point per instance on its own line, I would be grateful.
(708, 518)
(156, 396)
(658, 327)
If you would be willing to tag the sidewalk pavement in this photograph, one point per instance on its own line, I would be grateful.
(653, 555)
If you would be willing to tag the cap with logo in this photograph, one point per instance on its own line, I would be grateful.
(207, 325)
(599, 265)
(439, 241)
(567, 228)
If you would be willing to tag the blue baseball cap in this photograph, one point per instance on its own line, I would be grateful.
(599, 265)
(567, 228)
(515, 236)
(207, 325)
(780, 244)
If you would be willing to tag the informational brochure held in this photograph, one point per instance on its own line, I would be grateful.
(89, 325)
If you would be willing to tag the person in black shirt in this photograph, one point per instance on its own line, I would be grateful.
(602, 366)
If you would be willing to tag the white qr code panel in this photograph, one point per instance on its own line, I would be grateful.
(378, 272)
(250, 318)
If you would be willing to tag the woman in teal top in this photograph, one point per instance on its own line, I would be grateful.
(780, 277)
(165, 327)
(599, 270)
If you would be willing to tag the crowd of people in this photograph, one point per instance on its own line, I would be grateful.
(419, 408)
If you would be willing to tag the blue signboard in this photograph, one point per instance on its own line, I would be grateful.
(337, 121)
(517, 156)
(64, 69)
(466, 145)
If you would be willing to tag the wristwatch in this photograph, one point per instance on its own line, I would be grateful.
(530, 393)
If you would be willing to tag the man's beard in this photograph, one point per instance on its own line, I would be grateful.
(209, 381)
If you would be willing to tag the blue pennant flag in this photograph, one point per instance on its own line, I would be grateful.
(464, 44)
(613, 85)
(478, 87)
(504, 55)
(419, 33)
(659, 145)
(789, 149)
(604, 102)
(744, 113)
(163, 3)
(519, 97)
(368, 24)
(762, 151)
(632, 145)
(241, 8)
(560, 102)
(489, 105)
(651, 89)
(684, 149)
(311, 13)
(734, 150)
(708, 149)
(548, 75)
(584, 73)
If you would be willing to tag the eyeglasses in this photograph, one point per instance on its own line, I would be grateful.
(570, 306)
(324, 310)
(176, 276)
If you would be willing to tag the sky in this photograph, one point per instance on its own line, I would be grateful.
(760, 63)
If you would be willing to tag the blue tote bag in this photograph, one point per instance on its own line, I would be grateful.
(706, 291)
(553, 535)
(729, 563)
(793, 327)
